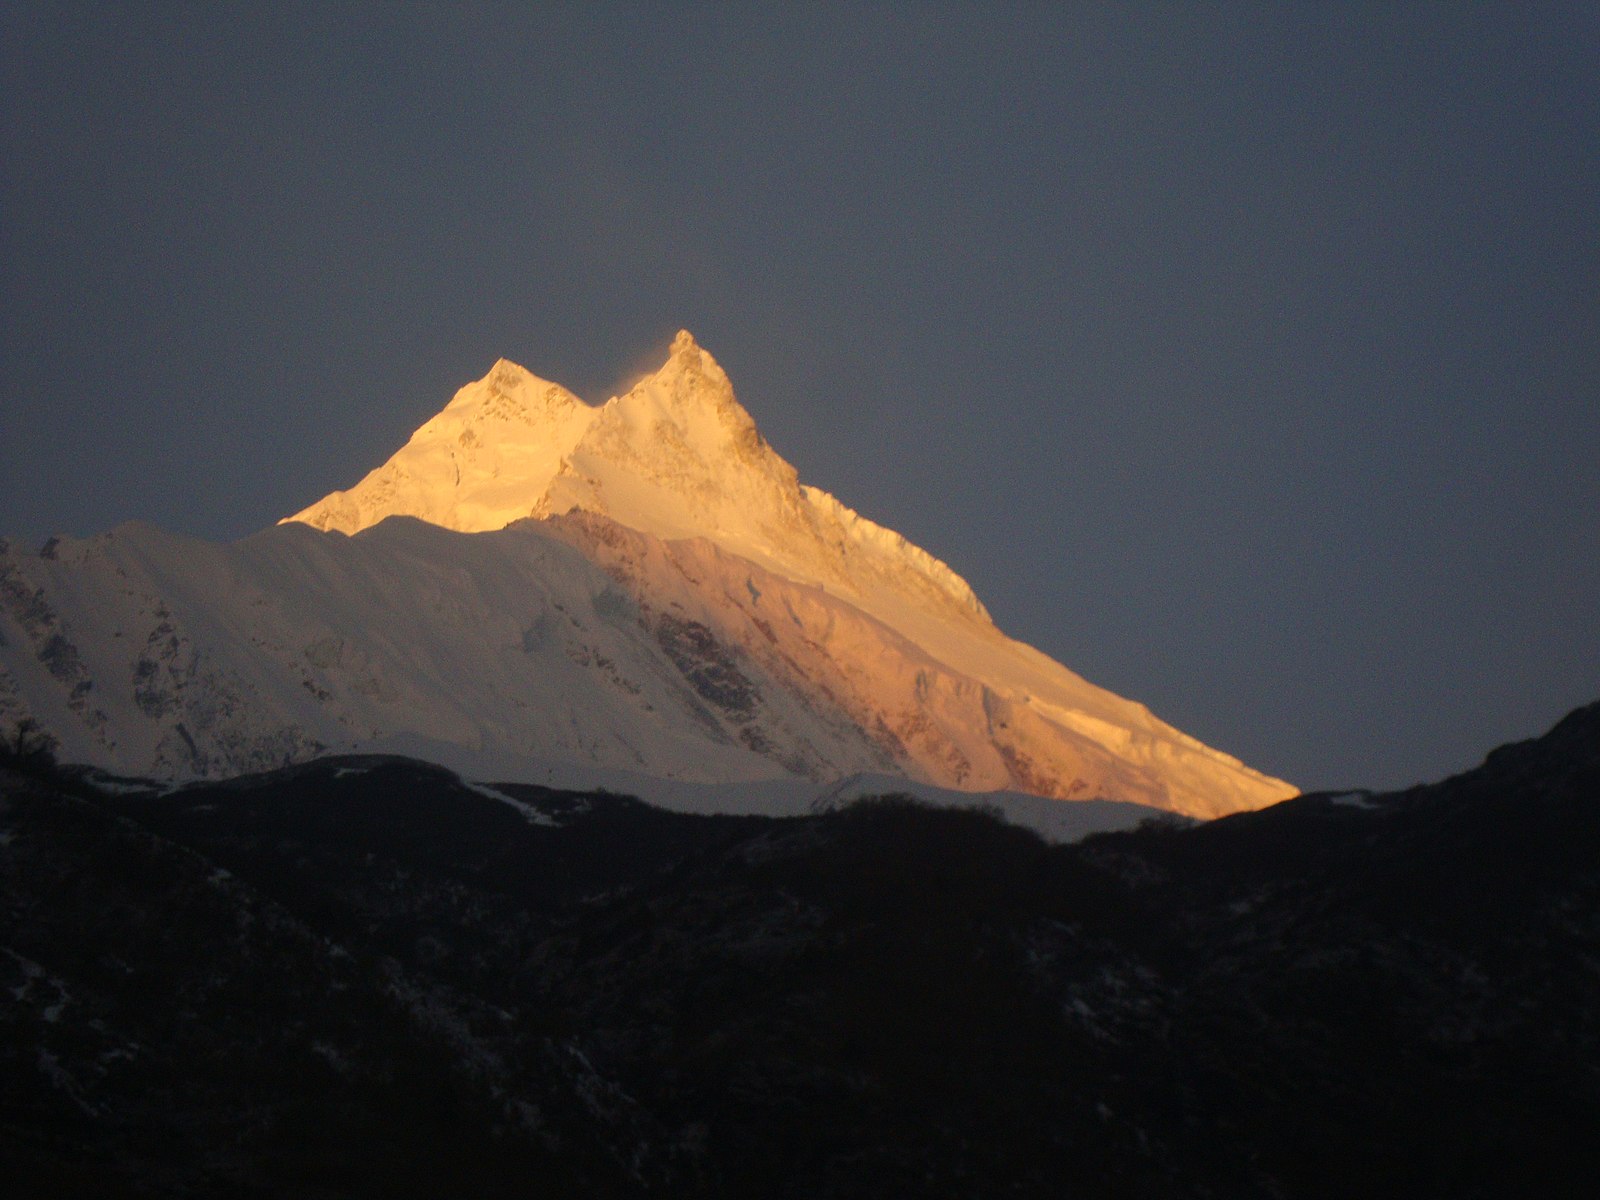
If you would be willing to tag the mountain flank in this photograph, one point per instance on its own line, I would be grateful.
(362, 977)
(640, 587)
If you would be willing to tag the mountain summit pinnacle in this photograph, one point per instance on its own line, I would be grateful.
(688, 361)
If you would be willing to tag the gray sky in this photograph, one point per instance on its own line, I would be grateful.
(1244, 358)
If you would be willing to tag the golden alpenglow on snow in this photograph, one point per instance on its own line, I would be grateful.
(860, 626)
(640, 595)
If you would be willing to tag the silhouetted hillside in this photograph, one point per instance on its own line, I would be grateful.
(364, 978)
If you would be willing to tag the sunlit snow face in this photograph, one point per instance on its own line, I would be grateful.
(676, 460)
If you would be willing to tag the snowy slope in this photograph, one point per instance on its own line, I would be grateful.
(163, 655)
(643, 586)
(570, 641)
(678, 457)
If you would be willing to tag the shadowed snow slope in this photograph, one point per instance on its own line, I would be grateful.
(642, 586)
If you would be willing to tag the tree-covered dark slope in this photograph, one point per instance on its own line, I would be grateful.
(363, 978)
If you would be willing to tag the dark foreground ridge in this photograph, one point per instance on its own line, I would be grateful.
(362, 978)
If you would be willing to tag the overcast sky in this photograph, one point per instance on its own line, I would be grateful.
(1244, 358)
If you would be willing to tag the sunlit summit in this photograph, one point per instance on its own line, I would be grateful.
(945, 695)
(537, 588)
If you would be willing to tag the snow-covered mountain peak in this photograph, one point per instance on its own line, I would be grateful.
(481, 462)
(491, 455)
(680, 605)
(509, 394)
(690, 383)
(687, 357)
(678, 459)
(506, 375)
(687, 407)
(676, 456)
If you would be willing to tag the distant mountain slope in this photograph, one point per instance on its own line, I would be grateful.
(362, 978)
(642, 586)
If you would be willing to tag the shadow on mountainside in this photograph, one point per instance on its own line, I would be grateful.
(361, 977)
